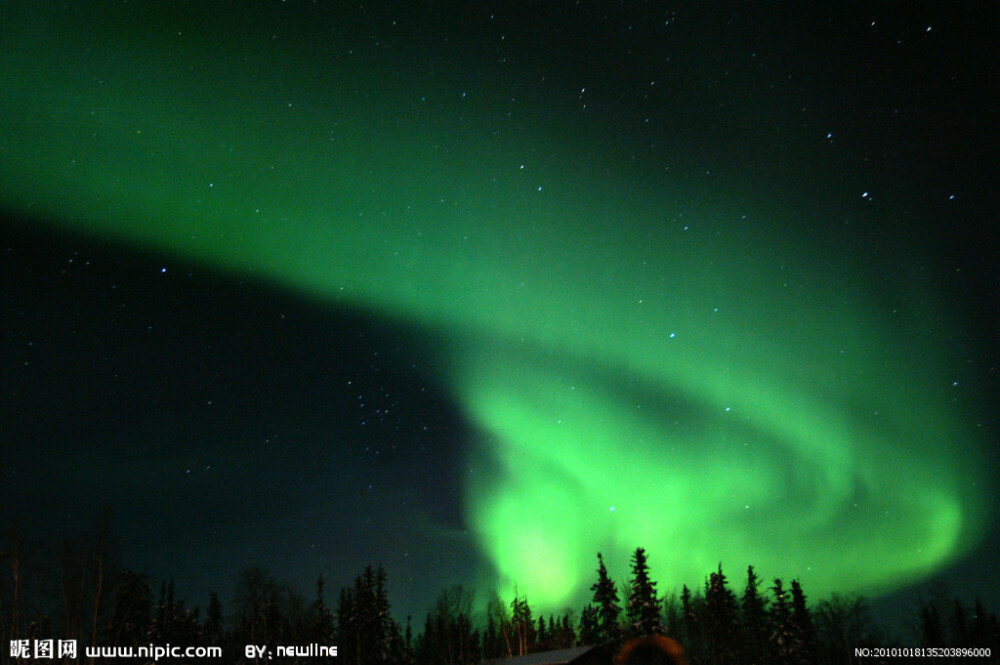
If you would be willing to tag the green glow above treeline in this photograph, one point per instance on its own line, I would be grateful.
(645, 363)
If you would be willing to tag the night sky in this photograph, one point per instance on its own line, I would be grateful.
(477, 290)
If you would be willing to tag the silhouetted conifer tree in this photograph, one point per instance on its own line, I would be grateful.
(491, 639)
(673, 615)
(273, 623)
(985, 630)
(931, 631)
(608, 606)
(366, 632)
(523, 624)
(385, 629)
(787, 643)
(802, 619)
(427, 649)
(541, 635)
(721, 619)
(321, 628)
(408, 646)
(754, 624)
(590, 630)
(212, 628)
(345, 610)
(567, 638)
(692, 623)
(255, 599)
(130, 613)
(643, 608)
(173, 623)
(475, 650)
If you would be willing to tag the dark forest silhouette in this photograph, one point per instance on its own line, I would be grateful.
(77, 592)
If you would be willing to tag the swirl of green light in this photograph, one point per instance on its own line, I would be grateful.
(643, 368)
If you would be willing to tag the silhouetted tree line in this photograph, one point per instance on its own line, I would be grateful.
(96, 602)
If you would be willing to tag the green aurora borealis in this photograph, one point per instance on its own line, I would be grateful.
(695, 366)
